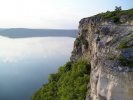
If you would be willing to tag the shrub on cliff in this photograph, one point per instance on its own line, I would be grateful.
(70, 83)
(127, 41)
(125, 62)
(117, 15)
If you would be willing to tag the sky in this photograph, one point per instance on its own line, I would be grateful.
(53, 14)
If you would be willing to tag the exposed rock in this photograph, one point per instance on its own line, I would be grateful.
(111, 59)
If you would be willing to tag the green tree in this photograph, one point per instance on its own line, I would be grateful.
(118, 8)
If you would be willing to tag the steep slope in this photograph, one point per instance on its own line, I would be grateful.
(109, 42)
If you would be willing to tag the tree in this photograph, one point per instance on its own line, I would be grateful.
(118, 8)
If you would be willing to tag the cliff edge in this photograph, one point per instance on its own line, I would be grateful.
(106, 41)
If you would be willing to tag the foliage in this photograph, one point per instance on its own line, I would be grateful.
(85, 43)
(118, 8)
(77, 42)
(70, 83)
(123, 44)
(125, 62)
(81, 40)
(127, 42)
(116, 15)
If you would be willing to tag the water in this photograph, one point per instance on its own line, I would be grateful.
(25, 63)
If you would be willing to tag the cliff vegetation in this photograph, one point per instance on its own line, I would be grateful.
(69, 83)
(117, 16)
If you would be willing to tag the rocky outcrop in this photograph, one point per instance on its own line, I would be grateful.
(108, 46)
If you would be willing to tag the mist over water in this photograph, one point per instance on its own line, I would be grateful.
(25, 63)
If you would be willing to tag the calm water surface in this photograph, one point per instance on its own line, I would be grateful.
(25, 63)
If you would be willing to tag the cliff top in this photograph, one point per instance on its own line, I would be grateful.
(107, 37)
(113, 17)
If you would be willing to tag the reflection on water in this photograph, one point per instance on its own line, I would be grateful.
(25, 63)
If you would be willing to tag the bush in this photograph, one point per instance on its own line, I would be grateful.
(116, 19)
(77, 42)
(125, 61)
(127, 42)
(85, 43)
(70, 83)
(123, 44)
(116, 15)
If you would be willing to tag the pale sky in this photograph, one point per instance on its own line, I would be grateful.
(55, 14)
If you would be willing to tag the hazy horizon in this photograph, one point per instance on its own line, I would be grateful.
(76, 28)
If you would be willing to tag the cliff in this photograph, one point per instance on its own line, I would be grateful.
(104, 45)
(106, 41)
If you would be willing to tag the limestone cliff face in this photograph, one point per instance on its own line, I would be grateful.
(109, 48)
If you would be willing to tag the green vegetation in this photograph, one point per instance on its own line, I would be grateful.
(85, 43)
(118, 8)
(125, 62)
(81, 40)
(118, 14)
(77, 42)
(127, 42)
(70, 83)
(123, 44)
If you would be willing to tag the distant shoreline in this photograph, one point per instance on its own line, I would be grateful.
(25, 32)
